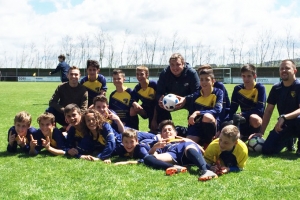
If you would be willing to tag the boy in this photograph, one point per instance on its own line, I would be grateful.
(226, 102)
(63, 67)
(170, 156)
(251, 97)
(48, 136)
(131, 148)
(120, 100)
(66, 93)
(101, 105)
(19, 134)
(94, 82)
(229, 150)
(204, 108)
(74, 133)
(145, 91)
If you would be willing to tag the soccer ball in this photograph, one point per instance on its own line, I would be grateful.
(255, 144)
(169, 101)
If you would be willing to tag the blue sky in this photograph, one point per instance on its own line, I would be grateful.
(44, 7)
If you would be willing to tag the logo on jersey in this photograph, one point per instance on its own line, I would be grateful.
(253, 96)
(151, 96)
(293, 93)
(125, 101)
(186, 84)
(97, 89)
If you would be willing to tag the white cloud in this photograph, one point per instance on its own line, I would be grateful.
(210, 22)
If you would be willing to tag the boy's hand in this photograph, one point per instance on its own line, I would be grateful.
(33, 142)
(279, 124)
(137, 107)
(160, 144)
(255, 135)
(73, 152)
(11, 138)
(46, 143)
(191, 120)
(107, 161)
(160, 102)
(112, 116)
(181, 102)
(21, 141)
(86, 157)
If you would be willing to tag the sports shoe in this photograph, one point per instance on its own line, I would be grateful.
(298, 152)
(175, 170)
(238, 119)
(207, 175)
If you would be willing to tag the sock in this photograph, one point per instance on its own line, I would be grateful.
(134, 122)
(196, 158)
(153, 162)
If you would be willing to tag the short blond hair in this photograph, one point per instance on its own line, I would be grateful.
(46, 116)
(23, 116)
(143, 68)
(130, 133)
(231, 132)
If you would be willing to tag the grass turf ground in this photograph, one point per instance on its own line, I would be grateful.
(56, 177)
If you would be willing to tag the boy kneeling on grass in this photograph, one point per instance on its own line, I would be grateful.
(171, 155)
(227, 153)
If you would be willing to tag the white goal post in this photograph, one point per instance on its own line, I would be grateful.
(223, 74)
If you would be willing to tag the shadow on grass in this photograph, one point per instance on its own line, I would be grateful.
(7, 154)
(286, 155)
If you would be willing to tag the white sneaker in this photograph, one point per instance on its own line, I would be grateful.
(207, 175)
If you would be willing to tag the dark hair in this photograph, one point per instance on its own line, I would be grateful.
(72, 107)
(130, 133)
(62, 56)
(289, 60)
(100, 98)
(92, 63)
(118, 71)
(208, 72)
(248, 68)
(164, 123)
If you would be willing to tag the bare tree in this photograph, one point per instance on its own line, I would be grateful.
(101, 43)
(263, 44)
(123, 46)
(69, 48)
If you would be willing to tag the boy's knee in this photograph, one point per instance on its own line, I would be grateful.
(255, 120)
(208, 118)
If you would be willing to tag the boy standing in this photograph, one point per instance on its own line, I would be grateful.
(63, 67)
(67, 93)
(227, 153)
(94, 82)
(120, 100)
(19, 134)
(251, 97)
(145, 91)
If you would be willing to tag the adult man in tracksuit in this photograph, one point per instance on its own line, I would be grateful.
(178, 78)
(63, 67)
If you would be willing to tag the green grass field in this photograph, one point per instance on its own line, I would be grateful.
(56, 177)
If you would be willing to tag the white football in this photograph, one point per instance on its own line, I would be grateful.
(169, 102)
(255, 144)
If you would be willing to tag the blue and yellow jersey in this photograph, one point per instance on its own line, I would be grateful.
(287, 99)
(31, 131)
(140, 151)
(250, 101)
(74, 137)
(120, 102)
(212, 104)
(236, 158)
(226, 102)
(105, 143)
(94, 87)
(57, 139)
(147, 96)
